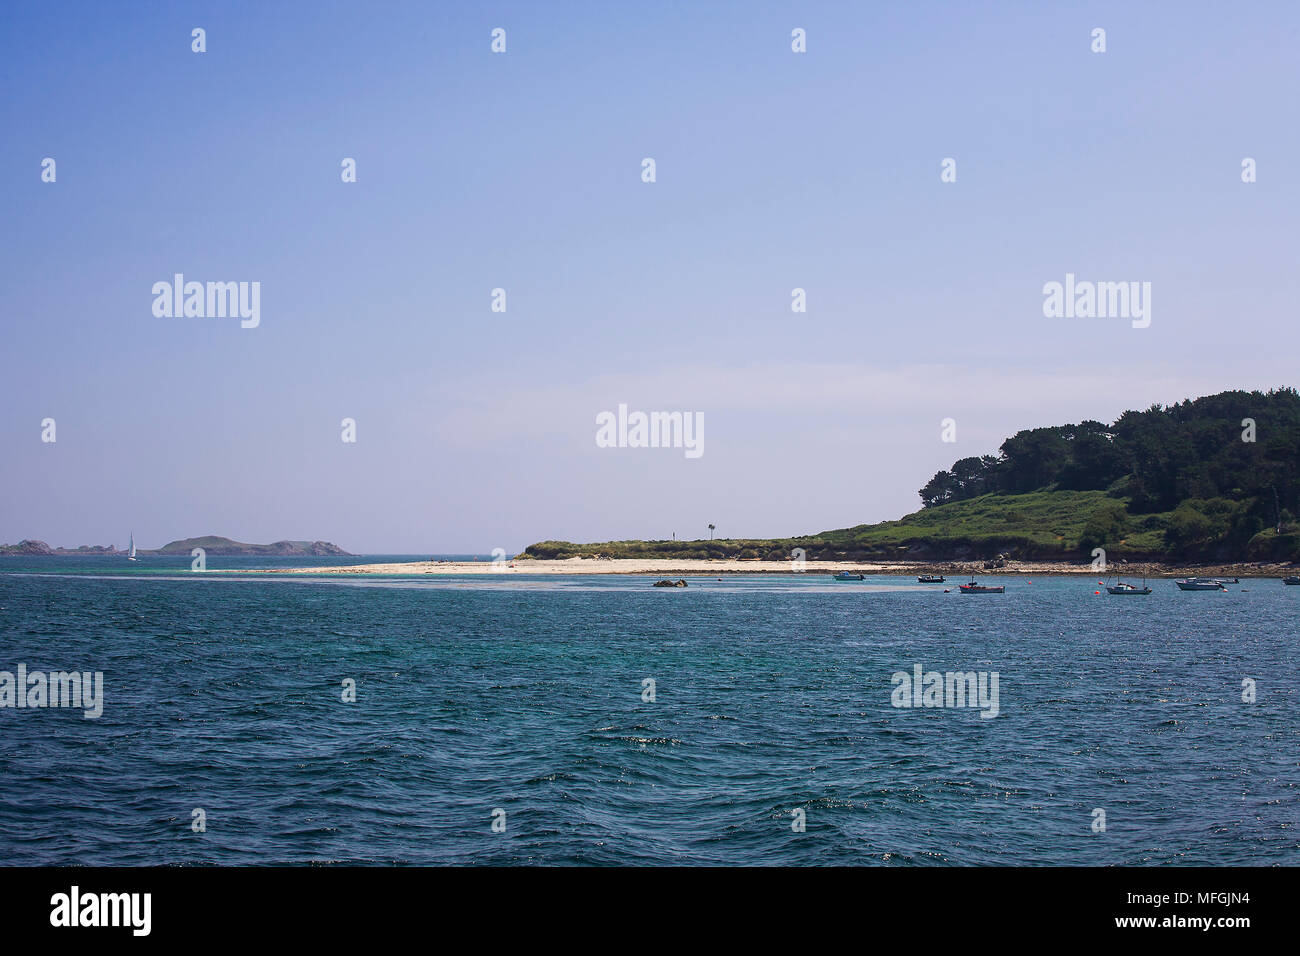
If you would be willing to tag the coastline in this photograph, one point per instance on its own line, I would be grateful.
(705, 567)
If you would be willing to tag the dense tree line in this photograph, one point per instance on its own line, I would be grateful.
(1202, 459)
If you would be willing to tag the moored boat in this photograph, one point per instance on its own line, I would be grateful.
(974, 588)
(848, 576)
(931, 578)
(1120, 587)
(1200, 584)
(1292, 579)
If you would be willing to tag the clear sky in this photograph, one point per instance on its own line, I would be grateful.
(522, 171)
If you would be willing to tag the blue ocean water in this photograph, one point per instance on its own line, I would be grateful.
(524, 694)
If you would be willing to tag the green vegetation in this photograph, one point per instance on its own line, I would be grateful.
(1154, 460)
(1045, 524)
(1182, 482)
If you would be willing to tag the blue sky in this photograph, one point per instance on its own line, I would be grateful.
(521, 170)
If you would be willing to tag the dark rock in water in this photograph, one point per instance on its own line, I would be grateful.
(665, 583)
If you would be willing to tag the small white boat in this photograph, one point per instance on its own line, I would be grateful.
(1122, 587)
(1200, 584)
(130, 554)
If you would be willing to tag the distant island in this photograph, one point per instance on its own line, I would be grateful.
(211, 544)
(1215, 479)
(28, 546)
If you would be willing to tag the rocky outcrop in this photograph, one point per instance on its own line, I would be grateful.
(26, 547)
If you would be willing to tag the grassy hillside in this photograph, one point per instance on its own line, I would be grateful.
(1035, 524)
(1046, 525)
(1039, 524)
(1211, 479)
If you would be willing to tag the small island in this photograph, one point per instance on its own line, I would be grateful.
(29, 546)
(1213, 481)
(216, 545)
(1210, 485)
(211, 544)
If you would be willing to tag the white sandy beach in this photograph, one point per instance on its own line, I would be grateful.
(697, 567)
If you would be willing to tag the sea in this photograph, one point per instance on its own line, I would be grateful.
(514, 719)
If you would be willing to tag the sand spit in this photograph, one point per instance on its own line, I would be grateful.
(704, 567)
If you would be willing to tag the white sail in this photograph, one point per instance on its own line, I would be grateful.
(131, 553)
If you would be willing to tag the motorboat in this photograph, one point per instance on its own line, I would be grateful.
(1120, 587)
(974, 588)
(1200, 584)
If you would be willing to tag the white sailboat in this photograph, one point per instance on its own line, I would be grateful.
(130, 554)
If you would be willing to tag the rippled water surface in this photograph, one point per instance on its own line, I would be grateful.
(772, 694)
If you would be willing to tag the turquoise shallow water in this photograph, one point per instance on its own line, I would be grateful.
(525, 694)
